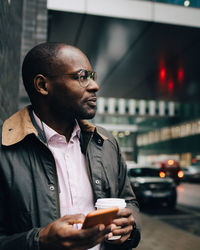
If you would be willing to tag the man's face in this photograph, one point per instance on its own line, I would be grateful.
(66, 98)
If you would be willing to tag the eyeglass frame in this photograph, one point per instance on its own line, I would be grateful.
(91, 74)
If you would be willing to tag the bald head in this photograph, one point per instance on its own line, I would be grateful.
(42, 59)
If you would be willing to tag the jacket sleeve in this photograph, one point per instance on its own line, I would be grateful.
(20, 241)
(8, 240)
(126, 192)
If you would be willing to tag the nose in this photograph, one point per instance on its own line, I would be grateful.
(93, 86)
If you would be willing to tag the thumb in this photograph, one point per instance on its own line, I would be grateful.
(73, 219)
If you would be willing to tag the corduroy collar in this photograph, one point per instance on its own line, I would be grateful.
(19, 125)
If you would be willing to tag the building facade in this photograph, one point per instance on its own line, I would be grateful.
(23, 24)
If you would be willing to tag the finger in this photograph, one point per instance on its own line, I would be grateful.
(85, 234)
(103, 231)
(108, 236)
(84, 244)
(125, 212)
(123, 231)
(124, 221)
(99, 237)
(86, 237)
(122, 239)
(73, 219)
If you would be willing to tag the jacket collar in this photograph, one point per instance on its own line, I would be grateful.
(19, 125)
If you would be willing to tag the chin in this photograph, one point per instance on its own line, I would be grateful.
(86, 115)
(89, 116)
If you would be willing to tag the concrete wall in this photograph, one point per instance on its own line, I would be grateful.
(10, 49)
(23, 24)
(34, 31)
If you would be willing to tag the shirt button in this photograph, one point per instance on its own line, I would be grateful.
(97, 182)
(51, 187)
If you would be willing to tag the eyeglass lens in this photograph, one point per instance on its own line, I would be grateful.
(85, 75)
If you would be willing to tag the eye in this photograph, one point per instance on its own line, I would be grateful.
(84, 75)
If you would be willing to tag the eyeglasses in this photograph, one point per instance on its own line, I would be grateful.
(83, 76)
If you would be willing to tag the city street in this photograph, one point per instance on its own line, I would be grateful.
(189, 195)
(178, 229)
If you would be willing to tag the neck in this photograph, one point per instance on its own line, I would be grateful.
(65, 129)
(62, 127)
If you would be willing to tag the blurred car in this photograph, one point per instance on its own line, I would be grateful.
(130, 164)
(172, 169)
(151, 185)
(191, 173)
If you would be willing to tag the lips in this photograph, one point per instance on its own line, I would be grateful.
(92, 101)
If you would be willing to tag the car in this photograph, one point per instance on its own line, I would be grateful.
(172, 169)
(130, 164)
(191, 173)
(152, 185)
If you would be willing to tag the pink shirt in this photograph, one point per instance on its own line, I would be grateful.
(76, 194)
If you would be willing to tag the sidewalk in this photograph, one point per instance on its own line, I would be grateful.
(158, 235)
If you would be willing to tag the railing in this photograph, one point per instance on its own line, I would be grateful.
(186, 3)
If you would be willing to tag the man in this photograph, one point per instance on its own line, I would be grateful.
(54, 165)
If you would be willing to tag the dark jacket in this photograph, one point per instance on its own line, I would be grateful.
(29, 185)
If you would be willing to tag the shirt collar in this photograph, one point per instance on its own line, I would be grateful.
(49, 132)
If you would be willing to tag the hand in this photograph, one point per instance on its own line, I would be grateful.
(126, 221)
(60, 234)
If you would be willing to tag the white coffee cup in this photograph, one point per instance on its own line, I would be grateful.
(111, 202)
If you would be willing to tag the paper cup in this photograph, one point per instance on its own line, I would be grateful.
(111, 202)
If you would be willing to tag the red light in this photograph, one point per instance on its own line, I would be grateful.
(162, 74)
(162, 174)
(194, 160)
(180, 75)
(180, 174)
(170, 162)
(170, 85)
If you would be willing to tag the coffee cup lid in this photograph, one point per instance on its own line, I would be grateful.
(110, 202)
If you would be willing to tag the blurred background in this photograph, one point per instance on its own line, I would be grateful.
(146, 55)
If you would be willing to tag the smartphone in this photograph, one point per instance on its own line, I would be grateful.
(101, 216)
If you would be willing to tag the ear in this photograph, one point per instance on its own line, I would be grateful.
(40, 84)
